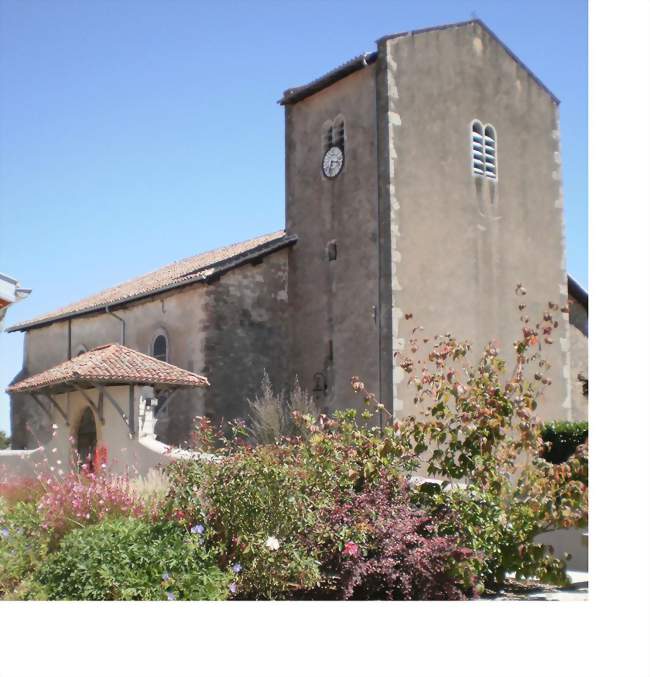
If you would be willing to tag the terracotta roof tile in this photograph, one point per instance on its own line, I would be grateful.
(186, 271)
(110, 365)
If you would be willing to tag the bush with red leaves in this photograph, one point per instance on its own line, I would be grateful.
(381, 547)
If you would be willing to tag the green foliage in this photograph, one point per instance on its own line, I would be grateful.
(476, 424)
(563, 438)
(243, 501)
(24, 545)
(278, 491)
(129, 559)
(319, 510)
(5, 440)
(502, 535)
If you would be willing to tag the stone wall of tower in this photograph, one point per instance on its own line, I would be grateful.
(459, 244)
(333, 268)
(244, 333)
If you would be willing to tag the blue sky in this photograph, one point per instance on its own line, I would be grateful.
(135, 133)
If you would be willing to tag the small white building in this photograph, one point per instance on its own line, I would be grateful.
(10, 292)
(102, 410)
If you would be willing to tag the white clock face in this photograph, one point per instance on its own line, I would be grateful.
(333, 162)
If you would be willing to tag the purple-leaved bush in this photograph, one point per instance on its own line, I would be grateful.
(392, 550)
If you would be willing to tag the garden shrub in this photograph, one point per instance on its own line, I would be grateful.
(277, 491)
(21, 489)
(502, 535)
(563, 438)
(243, 501)
(268, 416)
(5, 440)
(23, 546)
(321, 511)
(129, 559)
(81, 499)
(381, 547)
(274, 415)
(477, 425)
(151, 489)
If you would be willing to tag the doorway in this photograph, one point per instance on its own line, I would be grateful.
(87, 439)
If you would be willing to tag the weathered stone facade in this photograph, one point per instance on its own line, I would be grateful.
(245, 333)
(333, 293)
(406, 227)
(229, 329)
(417, 232)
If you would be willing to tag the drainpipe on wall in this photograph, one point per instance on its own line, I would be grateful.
(122, 320)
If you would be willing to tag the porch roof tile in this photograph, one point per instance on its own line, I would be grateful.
(109, 364)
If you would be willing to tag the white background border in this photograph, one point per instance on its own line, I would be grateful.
(604, 636)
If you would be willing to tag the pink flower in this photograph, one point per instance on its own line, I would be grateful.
(351, 549)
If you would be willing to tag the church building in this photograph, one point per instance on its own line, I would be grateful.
(422, 178)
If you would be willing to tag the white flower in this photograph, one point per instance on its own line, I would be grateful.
(272, 543)
(55, 426)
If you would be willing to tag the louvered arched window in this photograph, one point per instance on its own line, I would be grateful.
(484, 150)
(327, 135)
(333, 134)
(339, 132)
(490, 144)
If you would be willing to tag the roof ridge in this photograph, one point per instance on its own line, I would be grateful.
(177, 273)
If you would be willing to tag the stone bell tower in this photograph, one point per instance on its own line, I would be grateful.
(442, 193)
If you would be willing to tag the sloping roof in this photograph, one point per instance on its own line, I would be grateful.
(193, 269)
(296, 94)
(576, 291)
(110, 364)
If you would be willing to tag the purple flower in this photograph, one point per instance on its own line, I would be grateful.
(197, 529)
(233, 588)
(171, 596)
(165, 576)
(237, 567)
(4, 532)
